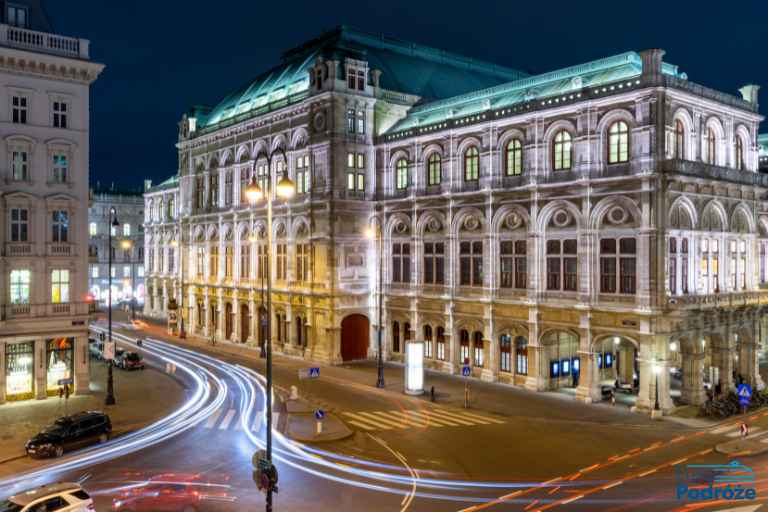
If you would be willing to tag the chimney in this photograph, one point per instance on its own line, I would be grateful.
(147, 185)
(652, 62)
(749, 93)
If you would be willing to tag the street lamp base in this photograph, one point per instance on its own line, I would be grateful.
(110, 400)
(183, 334)
(380, 383)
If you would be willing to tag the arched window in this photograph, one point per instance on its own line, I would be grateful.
(401, 174)
(434, 175)
(618, 143)
(739, 153)
(440, 344)
(521, 355)
(464, 347)
(711, 157)
(673, 265)
(395, 337)
(505, 350)
(428, 341)
(471, 164)
(514, 161)
(171, 208)
(477, 344)
(562, 151)
(679, 140)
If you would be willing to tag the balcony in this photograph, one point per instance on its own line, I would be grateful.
(43, 42)
(22, 311)
(18, 249)
(718, 300)
(714, 172)
(59, 249)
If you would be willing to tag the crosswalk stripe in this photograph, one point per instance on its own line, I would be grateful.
(227, 419)
(256, 425)
(381, 417)
(752, 431)
(723, 429)
(457, 419)
(213, 419)
(367, 421)
(360, 425)
(433, 421)
(473, 417)
(409, 419)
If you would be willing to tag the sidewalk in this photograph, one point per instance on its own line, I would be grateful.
(142, 398)
(488, 397)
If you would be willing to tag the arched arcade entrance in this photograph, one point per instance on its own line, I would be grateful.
(355, 331)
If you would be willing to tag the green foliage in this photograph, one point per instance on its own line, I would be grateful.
(728, 405)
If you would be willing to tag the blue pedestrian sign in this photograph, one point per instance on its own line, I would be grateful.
(319, 414)
(745, 394)
(466, 371)
(314, 373)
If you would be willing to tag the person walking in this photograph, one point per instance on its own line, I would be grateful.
(613, 397)
(743, 430)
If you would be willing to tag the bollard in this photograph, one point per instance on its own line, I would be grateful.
(466, 395)
(432, 393)
(294, 393)
(319, 429)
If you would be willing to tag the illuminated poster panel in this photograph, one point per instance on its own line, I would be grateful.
(414, 367)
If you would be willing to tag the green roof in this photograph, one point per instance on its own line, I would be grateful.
(171, 182)
(567, 80)
(406, 67)
(762, 141)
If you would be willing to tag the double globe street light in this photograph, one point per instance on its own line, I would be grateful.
(285, 189)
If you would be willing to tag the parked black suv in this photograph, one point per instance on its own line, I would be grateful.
(69, 432)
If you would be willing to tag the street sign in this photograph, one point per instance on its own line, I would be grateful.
(466, 371)
(309, 373)
(109, 350)
(319, 414)
(745, 394)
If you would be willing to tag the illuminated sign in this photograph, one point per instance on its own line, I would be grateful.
(414, 367)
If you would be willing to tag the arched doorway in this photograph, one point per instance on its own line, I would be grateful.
(618, 368)
(245, 323)
(562, 358)
(228, 320)
(354, 337)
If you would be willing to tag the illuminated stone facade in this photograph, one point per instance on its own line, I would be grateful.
(563, 230)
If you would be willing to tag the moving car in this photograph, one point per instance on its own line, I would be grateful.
(172, 492)
(95, 348)
(128, 360)
(60, 497)
(68, 432)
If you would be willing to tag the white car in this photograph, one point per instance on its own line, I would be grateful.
(61, 497)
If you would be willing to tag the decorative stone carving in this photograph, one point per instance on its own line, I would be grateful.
(471, 223)
(562, 218)
(434, 225)
(513, 221)
(400, 227)
(617, 215)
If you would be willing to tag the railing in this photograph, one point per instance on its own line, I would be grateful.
(467, 186)
(18, 249)
(718, 300)
(59, 249)
(12, 311)
(43, 42)
(704, 170)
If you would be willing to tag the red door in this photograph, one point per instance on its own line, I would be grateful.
(354, 337)
(244, 323)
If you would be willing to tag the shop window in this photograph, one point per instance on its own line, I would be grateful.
(60, 358)
(19, 369)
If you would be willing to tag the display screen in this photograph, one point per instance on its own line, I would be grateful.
(599, 360)
(608, 359)
(575, 364)
(60, 361)
(565, 365)
(554, 369)
(19, 368)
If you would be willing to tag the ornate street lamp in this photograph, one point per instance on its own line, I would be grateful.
(374, 232)
(114, 224)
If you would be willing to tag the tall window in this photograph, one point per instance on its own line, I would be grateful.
(617, 265)
(428, 341)
(302, 174)
(60, 226)
(521, 355)
(360, 80)
(440, 344)
(434, 174)
(281, 261)
(228, 188)
(351, 118)
(19, 288)
(710, 251)
(213, 264)
(561, 265)
(618, 143)
(562, 151)
(263, 255)
(673, 266)
(401, 263)
(739, 153)
(471, 263)
(711, 147)
(434, 263)
(679, 140)
(126, 229)
(303, 260)
(513, 264)
(199, 192)
(199, 262)
(360, 117)
(214, 189)
(464, 347)
(60, 286)
(401, 174)
(356, 172)
(478, 349)
(59, 114)
(19, 109)
(19, 224)
(684, 265)
(762, 263)
(261, 176)
(20, 165)
(228, 257)
(395, 337)
(93, 229)
(60, 168)
(245, 260)
(471, 164)
(514, 160)
(245, 179)
(505, 352)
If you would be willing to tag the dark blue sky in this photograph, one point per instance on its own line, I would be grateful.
(164, 56)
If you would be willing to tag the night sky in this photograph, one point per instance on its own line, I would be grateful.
(164, 56)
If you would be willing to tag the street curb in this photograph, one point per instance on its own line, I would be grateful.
(328, 439)
(11, 459)
(723, 449)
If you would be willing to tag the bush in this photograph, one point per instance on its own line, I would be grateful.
(728, 405)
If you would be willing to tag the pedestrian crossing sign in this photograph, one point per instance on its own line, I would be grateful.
(745, 393)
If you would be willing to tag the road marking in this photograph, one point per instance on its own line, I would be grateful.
(381, 417)
(375, 424)
(213, 419)
(614, 484)
(453, 417)
(360, 425)
(410, 420)
(738, 433)
(408, 498)
(723, 429)
(432, 420)
(256, 425)
(227, 419)
(476, 417)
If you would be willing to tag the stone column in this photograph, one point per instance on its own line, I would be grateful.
(253, 322)
(588, 390)
(221, 317)
(537, 374)
(237, 327)
(41, 366)
(81, 374)
(723, 346)
(207, 320)
(491, 356)
(693, 381)
(2, 373)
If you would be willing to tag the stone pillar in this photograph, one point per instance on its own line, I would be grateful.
(81, 374)
(491, 356)
(693, 378)
(588, 390)
(207, 327)
(221, 312)
(253, 322)
(724, 349)
(237, 327)
(41, 365)
(2, 373)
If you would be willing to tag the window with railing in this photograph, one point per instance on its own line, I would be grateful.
(19, 224)
(562, 258)
(513, 264)
(401, 263)
(434, 263)
(20, 280)
(618, 265)
(471, 263)
(60, 226)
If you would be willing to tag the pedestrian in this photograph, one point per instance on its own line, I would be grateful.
(66, 392)
(61, 392)
(743, 430)
(613, 397)
(432, 393)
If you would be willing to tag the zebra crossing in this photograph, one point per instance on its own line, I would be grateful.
(422, 418)
(230, 419)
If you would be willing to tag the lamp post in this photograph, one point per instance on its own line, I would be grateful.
(113, 225)
(126, 245)
(174, 243)
(656, 372)
(375, 231)
(284, 189)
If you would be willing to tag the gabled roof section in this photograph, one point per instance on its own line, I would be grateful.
(561, 81)
(406, 67)
(172, 182)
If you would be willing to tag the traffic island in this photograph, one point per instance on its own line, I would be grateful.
(743, 447)
(302, 424)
